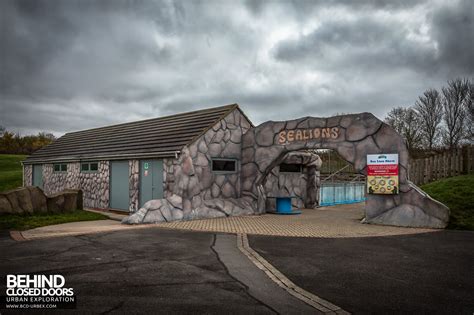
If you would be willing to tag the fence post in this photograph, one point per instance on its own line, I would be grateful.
(455, 162)
(445, 163)
(459, 163)
(430, 169)
(465, 160)
(425, 168)
(471, 159)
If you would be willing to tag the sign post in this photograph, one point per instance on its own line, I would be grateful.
(382, 174)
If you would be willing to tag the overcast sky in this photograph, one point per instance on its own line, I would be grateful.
(71, 65)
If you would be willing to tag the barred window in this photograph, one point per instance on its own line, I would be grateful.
(224, 165)
(291, 168)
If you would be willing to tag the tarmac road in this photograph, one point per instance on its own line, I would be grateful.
(171, 271)
(431, 273)
(135, 271)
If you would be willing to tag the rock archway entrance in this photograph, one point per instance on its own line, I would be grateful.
(302, 183)
(352, 137)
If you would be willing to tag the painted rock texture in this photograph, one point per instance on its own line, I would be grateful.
(95, 185)
(353, 137)
(201, 192)
(171, 209)
(302, 185)
(193, 191)
(32, 200)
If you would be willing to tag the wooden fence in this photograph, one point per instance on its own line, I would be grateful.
(450, 163)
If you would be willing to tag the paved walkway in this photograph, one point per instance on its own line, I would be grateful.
(327, 222)
(76, 228)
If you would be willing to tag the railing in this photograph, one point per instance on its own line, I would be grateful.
(336, 193)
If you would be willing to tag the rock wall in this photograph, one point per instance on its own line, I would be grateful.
(27, 175)
(95, 185)
(286, 184)
(134, 184)
(304, 185)
(223, 140)
(168, 176)
(353, 137)
(54, 182)
(191, 189)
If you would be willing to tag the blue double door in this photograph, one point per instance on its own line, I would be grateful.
(151, 180)
(151, 183)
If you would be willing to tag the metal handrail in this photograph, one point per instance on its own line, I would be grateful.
(356, 178)
(338, 171)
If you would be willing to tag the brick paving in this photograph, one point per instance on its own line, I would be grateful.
(325, 222)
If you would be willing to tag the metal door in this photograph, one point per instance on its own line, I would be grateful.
(151, 180)
(38, 175)
(119, 194)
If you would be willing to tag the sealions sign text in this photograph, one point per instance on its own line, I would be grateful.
(382, 174)
(286, 136)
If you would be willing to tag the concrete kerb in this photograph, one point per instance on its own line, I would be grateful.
(17, 236)
(285, 283)
(111, 215)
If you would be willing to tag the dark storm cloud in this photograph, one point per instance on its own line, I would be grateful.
(375, 44)
(453, 29)
(366, 43)
(70, 65)
(63, 48)
(304, 8)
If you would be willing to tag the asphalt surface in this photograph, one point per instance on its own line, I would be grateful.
(137, 271)
(259, 284)
(431, 273)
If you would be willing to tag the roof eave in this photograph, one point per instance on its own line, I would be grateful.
(164, 154)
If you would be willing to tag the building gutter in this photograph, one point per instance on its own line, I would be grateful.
(164, 154)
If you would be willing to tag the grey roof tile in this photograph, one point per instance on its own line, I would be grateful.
(156, 137)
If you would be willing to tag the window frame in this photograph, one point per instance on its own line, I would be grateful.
(60, 167)
(223, 172)
(290, 172)
(89, 164)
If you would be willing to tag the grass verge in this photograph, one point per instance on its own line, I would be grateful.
(11, 171)
(26, 222)
(457, 193)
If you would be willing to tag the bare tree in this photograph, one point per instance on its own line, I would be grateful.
(406, 122)
(395, 118)
(455, 100)
(430, 112)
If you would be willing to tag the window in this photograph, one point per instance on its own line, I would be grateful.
(89, 167)
(60, 167)
(291, 168)
(224, 165)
